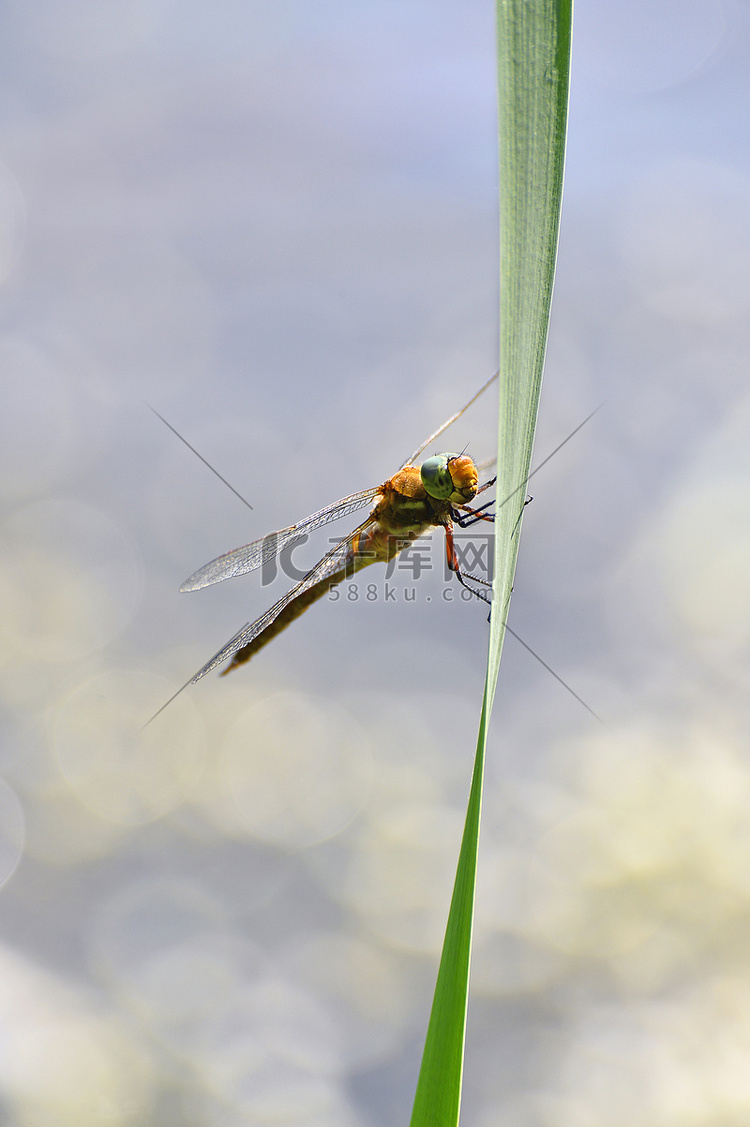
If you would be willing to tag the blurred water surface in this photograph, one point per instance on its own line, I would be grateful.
(276, 224)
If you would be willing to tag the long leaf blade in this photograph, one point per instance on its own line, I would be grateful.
(533, 79)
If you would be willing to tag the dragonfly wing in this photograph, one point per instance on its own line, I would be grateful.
(410, 461)
(331, 562)
(251, 556)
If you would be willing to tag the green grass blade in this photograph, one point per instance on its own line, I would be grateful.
(533, 75)
(438, 1096)
(533, 79)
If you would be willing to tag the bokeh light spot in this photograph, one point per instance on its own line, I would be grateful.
(296, 770)
(68, 580)
(12, 831)
(124, 774)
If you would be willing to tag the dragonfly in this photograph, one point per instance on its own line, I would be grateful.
(418, 498)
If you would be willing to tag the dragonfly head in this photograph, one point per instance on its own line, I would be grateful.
(450, 477)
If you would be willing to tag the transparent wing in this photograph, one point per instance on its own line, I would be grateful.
(247, 558)
(251, 556)
(410, 461)
(332, 562)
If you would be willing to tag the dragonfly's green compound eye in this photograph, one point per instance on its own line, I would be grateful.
(436, 477)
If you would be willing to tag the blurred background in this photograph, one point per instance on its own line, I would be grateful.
(275, 223)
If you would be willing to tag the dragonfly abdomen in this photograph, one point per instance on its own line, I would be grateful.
(297, 607)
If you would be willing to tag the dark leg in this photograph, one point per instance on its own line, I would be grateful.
(515, 526)
(453, 565)
(465, 517)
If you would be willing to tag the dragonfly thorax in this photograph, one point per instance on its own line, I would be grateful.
(449, 477)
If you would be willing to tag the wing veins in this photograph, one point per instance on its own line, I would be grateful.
(250, 556)
(326, 566)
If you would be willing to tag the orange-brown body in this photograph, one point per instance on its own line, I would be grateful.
(403, 512)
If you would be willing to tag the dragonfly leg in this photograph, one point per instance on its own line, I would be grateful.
(473, 516)
(453, 564)
(475, 579)
(515, 526)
